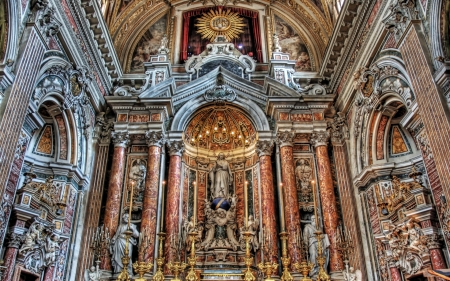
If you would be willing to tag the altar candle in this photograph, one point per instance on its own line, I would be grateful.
(195, 202)
(162, 206)
(131, 204)
(246, 204)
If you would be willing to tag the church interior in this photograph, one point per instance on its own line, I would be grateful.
(224, 140)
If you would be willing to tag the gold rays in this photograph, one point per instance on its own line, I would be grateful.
(219, 22)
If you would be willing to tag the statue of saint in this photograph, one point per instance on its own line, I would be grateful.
(352, 274)
(118, 243)
(220, 177)
(310, 239)
(137, 175)
(303, 173)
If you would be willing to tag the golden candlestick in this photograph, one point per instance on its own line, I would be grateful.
(192, 260)
(142, 267)
(124, 275)
(304, 267)
(321, 259)
(248, 274)
(268, 268)
(176, 267)
(159, 275)
(285, 260)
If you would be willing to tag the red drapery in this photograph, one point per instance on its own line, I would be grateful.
(248, 13)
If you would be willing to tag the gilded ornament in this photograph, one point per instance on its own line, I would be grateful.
(219, 22)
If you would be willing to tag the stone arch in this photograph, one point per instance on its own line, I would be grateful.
(253, 111)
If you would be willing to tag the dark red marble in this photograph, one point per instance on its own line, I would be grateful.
(10, 262)
(329, 206)
(291, 209)
(395, 274)
(268, 209)
(437, 259)
(172, 212)
(150, 202)
(114, 197)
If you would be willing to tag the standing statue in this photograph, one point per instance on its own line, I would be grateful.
(220, 177)
(276, 43)
(51, 246)
(163, 48)
(118, 243)
(252, 227)
(310, 240)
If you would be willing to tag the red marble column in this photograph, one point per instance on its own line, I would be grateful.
(437, 259)
(327, 197)
(114, 197)
(395, 274)
(172, 211)
(148, 226)
(269, 226)
(10, 262)
(49, 272)
(291, 209)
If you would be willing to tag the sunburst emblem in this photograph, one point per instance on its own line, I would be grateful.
(219, 22)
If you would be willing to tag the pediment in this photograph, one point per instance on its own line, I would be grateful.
(242, 87)
(165, 89)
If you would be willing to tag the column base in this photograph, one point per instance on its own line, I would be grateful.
(337, 275)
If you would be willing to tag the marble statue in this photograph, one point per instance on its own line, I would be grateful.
(352, 274)
(163, 48)
(220, 177)
(51, 246)
(303, 172)
(310, 240)
(276, 43)
(252, 227)
(93, 274)
(137, 175)
(118, 242)
(32, 237)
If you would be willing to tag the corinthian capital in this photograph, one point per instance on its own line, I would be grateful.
(155, 138)
(120, 138)
(319, 138)
(176, 148)
(285, 138)
(264, 148)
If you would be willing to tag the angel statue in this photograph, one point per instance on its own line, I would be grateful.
(92, 274)
(252, 227)
(352, 274)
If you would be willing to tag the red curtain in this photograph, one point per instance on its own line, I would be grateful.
(247, 13)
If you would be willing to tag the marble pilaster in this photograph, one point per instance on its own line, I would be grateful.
(11, 253)
(327, 197)
(176, 149)
(291, 208)
(155, 140)
(114, 196)
(436, 254)
(269, 226)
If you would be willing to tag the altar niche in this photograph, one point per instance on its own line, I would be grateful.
(214, 204)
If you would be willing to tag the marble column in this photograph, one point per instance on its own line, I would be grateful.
(339, 135)
(155, 140)
(11, 253)
(102, 140)
(436, 254)
(49, 273)
(395, 273)
(172, 211)
(269, 226)
(114, 196)
(327, 197)
(291, 210)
